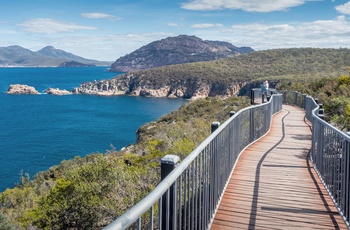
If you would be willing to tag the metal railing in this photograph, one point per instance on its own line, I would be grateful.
(330, 153)
(189, 196)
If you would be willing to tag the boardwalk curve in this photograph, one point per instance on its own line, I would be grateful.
(274, 185)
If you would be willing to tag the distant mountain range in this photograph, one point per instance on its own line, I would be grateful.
(176, 50)
(46, 57)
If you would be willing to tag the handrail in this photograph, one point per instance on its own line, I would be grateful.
(330, 153)
(192, 191)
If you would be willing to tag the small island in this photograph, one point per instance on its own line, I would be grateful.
(75, 64)
(21, 89)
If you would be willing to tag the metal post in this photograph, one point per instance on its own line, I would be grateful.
(168, 163)
(252, 128)
(252, 97)
(304, 101)
(214, 126)
(232, 113)
(321, 114)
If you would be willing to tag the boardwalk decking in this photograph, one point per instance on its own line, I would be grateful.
(274, 186)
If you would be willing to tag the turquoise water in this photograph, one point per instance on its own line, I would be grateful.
(39, 131)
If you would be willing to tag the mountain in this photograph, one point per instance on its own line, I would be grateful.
(176, 50)
(48, 56)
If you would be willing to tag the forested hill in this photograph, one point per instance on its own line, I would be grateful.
(226, 77)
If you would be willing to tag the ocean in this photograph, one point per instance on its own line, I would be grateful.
(39, 131)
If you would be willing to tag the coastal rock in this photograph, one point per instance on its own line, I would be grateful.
(57, 91)
(21, 89)
(103, 88)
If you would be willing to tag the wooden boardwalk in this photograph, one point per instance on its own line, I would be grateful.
(274, 186)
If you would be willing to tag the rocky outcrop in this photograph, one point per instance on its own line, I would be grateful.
(103, 87)
(21, 89)
(176, 50)
(57, 91)
(137, 86)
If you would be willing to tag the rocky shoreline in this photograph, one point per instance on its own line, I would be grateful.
(136, 86)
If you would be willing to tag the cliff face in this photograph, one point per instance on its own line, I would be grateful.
(176, 50)
(137, 86)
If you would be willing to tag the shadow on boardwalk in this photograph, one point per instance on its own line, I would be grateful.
(274, 186)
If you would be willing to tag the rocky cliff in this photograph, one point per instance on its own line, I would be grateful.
(136, 85)
(176, 50)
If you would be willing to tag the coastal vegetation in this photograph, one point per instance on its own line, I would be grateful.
(333, 93)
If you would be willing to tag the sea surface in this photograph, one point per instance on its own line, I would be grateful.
(39, 131)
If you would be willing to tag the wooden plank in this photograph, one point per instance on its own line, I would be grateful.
(274, 186)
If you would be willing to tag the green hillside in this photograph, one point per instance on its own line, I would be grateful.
(304, 64)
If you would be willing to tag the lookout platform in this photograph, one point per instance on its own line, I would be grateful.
(274, 185)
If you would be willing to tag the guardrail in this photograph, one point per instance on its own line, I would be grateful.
(188, 197)
(330, 152)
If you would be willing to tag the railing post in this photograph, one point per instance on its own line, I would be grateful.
(252, 128)
(168, 163)
(214, 126)
(268, 97)
(321, 111)
(346, 181)
(304, 101)
(252, 95)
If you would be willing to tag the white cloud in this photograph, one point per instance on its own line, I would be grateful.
(100, 15)
(206, 25)
(343, 9)
(173, 24)
(322, 33)
(49, 26)
(245, 5)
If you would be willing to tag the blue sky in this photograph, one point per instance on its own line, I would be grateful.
(109, 29)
